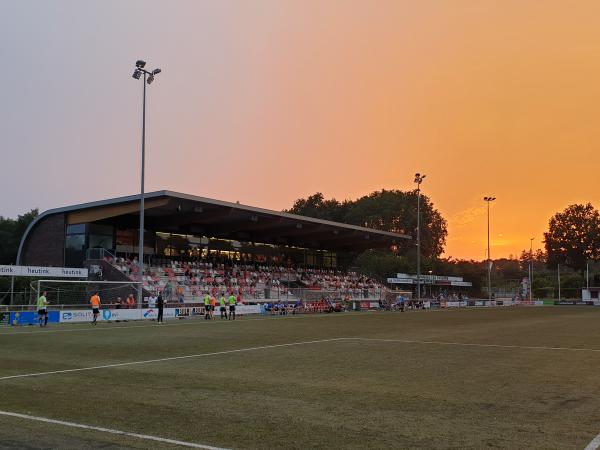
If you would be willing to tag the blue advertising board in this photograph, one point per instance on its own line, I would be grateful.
(31, 318)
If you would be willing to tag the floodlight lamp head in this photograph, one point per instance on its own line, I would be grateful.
(150, 79)
(140, 64)
(137, 74)
(156, 71)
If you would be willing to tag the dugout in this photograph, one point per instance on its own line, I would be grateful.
(187, 227)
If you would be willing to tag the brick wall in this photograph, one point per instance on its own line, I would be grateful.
(45, 243)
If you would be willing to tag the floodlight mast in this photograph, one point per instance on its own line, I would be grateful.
(488, 200)
(148, 78)
(531, 269)
(418, 180)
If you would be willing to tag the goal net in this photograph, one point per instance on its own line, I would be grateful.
(78, 293)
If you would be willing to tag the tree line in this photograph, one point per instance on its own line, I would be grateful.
(572, 241)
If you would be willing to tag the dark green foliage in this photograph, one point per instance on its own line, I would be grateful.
(11, 231)
(391, 210)
(382, 264)
(573, 237)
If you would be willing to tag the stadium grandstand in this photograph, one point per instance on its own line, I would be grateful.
(195, 245)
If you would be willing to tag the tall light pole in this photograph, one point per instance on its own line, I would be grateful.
(148, 79)
(419, 179)
(489, 260)
(558, 270)
(587, 275)
(531, 269)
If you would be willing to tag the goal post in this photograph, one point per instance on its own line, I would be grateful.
(77, 294)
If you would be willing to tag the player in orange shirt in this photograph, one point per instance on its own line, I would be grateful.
(95, 303)
(213, 305)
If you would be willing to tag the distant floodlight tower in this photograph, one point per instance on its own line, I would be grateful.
(489, 260)
(148, 79)
(531, 269)
(418, 180)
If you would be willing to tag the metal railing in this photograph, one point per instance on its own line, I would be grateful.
(97, 254)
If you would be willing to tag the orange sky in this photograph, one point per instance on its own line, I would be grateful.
(267, 101)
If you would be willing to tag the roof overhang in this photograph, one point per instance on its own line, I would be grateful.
(169, 211)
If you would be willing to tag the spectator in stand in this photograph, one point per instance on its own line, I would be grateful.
(168, 291)
(130, 302)
(152, 301)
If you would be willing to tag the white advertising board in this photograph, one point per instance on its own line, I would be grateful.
(37, 271)
(400, 280)
(86, 315)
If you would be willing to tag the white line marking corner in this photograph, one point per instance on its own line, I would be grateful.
(109, 430)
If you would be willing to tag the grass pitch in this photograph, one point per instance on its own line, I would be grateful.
(530, 381)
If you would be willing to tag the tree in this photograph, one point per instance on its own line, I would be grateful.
(385, 210)
(381, 264)
(316, 206)
(573, 237)
(539, 258)
(11, 231)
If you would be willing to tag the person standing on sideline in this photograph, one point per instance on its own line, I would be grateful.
(213, 306)
(95, 303)
(42, 307)
(207, 306)
(223, 307)
(160, 304)
(232, 306)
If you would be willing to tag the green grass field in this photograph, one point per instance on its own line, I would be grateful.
(530, 381)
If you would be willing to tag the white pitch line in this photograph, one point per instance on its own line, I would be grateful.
(172, 358)
(594, 443)
(468, 344)
(109, 430)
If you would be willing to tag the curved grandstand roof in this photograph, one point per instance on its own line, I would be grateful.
(175, 212)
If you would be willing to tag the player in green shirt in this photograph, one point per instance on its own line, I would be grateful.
(222, 307)
(207, 307)
(42, 307)
(232, 302)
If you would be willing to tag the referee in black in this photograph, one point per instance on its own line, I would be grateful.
(160, 304)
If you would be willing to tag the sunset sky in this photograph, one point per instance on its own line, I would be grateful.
(268, 101)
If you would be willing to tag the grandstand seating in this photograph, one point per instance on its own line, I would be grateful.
(187, 282)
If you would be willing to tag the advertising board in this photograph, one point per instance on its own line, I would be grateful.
(106, 315)
(30, 318)
(37, 271)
